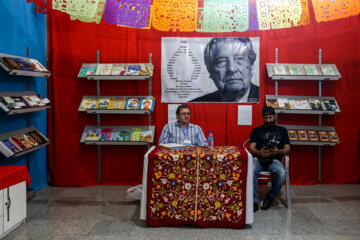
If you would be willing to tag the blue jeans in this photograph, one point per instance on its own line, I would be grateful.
(278, 172)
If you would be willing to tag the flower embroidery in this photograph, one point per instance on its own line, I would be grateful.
(173, 183)
(187, 186)
(206, 186)
(219, 184)
(163, 181)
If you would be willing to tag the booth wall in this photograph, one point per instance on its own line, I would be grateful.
(22, 27)
(72, 43)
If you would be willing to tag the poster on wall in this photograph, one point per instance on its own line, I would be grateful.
(210, 69)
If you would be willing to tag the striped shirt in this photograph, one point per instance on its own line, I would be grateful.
(174, 133)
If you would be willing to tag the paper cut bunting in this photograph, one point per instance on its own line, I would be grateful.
(224, 16)
(329, 10)
(135, 13)
(175, 15)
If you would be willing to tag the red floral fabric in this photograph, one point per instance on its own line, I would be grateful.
(197, 186)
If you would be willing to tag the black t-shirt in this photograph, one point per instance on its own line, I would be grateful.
(270, 137)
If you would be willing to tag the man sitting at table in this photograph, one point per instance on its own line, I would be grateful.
(182, 131)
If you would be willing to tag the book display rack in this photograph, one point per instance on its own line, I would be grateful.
(117, 135)
(19, 142)
(316, 105)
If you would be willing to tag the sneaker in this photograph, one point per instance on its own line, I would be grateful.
(256, 207)
(265, 205)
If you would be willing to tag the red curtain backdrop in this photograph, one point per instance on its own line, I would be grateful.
(72, 43)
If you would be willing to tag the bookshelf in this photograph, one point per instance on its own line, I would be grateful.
(98, 112)
(305, 72)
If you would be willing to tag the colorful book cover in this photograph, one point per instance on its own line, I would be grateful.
(135, 135)
(10, 145)
(30, 140)
(93, 134)
(37, 137)
(119, 103)
(23, 64)
(302, 135)
(34, 100)
(295, 70)
(147, 103)
(299, 104)
(315, 104)
(272, 102)
(333, 136)
(127, 135)
(313, 136)
(330, 105)
(90, 71)
(4, 105)
(146, 70)
(104, 69)
(117, 136)
(327, 70)
(11, 103)
(118, 70)
(133, 103)
(103, 103)
(279, 69)
(323, 136)
(88, 103)
(292, 135)
(133, 70)
(24, 141)
(20, 101)
(5, 150)
(5, 65)
(18, 143)
(106, 134)
(12, 65)
(39, 67)
(283, 103)
(145, 136)
(311, 69)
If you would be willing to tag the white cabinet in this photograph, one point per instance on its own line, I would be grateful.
(13, 207)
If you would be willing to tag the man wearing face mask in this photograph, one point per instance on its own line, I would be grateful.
(267, 143)
(230, 64)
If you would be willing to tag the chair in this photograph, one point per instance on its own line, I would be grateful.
(265, 175)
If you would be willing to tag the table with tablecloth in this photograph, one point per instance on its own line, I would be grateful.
(197, 186)
(11, 175)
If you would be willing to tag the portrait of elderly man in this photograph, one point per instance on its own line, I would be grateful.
(230, 64)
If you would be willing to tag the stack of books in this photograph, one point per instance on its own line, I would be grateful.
(8, 103)
(20, 143)
(303, 104)
(117, 70)
(24, 64)
(111, 135)
(313, 135)
(117, 103)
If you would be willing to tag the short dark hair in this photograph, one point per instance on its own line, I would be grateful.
(182, 106)
(213, 43)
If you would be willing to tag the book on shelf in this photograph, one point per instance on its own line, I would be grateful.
(5, 150)
(330, 105)
(333, 136)
(24, 64)
(93, 134)
(11, 104)
(133, 70)
(327, 70)
(315, 104)
(295, 70)
(279, 69)
(127, 136)
(18, 143)
(299, 104)
(310, 69)
(146, 70)
(172, 146)
(103, 103)
(14, 148)
(30, 139)
(103, 69)
(283, 103)
(133, 103)
(90, 71)
(24, 141)
(135, 135)
(147, 103)
(272, 102)
(292, 135)
(11, 64)
(323, 136)
(88, 103)
(117, 136)
(145, 136)
(313, 136)
(118, 70)
(4, 105)
(302, 135)
(118, 103)
(39, 67)
(106, 134)
(34, 100)
(37, 137)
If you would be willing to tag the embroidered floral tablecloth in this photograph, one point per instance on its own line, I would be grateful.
(197, 186)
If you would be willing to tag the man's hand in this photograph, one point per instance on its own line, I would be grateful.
(265, 152)
(274, 151)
